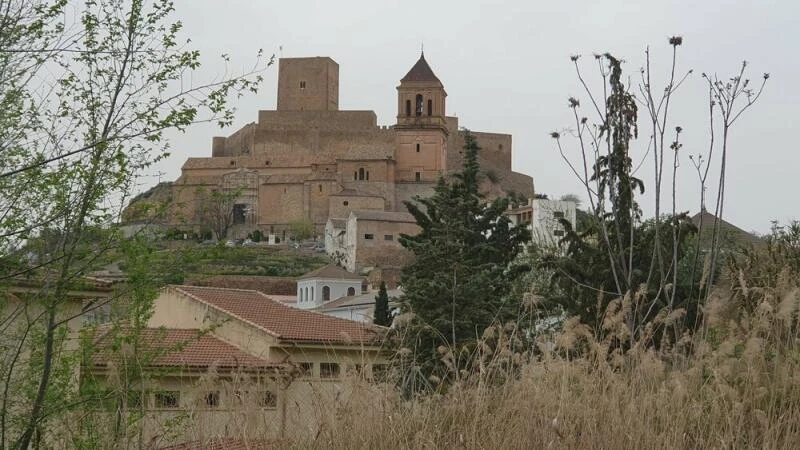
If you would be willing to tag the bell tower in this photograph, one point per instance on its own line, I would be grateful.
(421, 127)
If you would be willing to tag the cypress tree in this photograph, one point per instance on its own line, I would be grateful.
(382, 314)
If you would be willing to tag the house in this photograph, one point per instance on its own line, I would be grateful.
(239, 363)
(370, 239)
(544, 217)
(360, 308)
(325, 284)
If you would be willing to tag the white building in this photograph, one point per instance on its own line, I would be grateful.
(360, 308)
(316, 288)
(544, 217)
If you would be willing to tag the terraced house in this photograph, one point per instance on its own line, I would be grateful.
(238, 363)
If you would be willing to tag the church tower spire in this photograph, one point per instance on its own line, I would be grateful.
(421, 127)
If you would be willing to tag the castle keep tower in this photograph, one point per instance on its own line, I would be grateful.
(308, 84)
(421, 128)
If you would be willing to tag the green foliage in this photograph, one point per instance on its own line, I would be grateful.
(302, 229)
(457, 284)
(382, 314)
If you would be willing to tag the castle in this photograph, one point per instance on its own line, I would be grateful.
(308, 160)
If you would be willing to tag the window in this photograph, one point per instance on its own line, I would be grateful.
(430, 107)
(355, 175)
(212, 399)
(367, 178)
(136, 399)
(418, 176)
(379, 372)
(168, 399)
(408, 107)
(345, 203)
(351, 291)
(233, 162)
(388, 237)
(328, 370)
(419, 105)
(558, 233)
(302, 85)
(320, 188)
(417, 148)
(369, 236)
(239, 213)
(326, 293)
(267, 163)
(306, 369)
(558, 214)
(268, 399)
(362, 173)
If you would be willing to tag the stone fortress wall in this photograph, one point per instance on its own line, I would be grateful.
(313, 161)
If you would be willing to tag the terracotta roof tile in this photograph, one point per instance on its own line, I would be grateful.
(184, 348)
(384, 216)
(421, 72)
(286, 323)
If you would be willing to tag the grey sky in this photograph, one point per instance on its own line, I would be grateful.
(506, 68)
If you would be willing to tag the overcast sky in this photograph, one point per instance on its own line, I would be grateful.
(506, 68)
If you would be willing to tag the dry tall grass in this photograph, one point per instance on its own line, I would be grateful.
(738, 387)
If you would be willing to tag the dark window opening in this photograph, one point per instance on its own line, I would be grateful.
(430, 107)
(326, 293)
(267, 163)
(408, 107)
(419, 105)
(302, 85)
(355, 175)
(369, 236)
(388, 237)
(168, 399)
(345, 203)
(306, 369)
(417, 148)
(239, 211)
(328, 370)
(351, 291)
(212, 399)
(379, 372)
(367, 178)
(320, 188)
(361, 173)
(233, 162)
(418, 176)
(268, 399)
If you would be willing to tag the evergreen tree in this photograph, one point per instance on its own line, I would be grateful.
(382, 316)
(457, 285)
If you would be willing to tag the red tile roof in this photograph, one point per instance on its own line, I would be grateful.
(183, 348)
(286, 323)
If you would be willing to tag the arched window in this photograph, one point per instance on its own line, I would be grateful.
(302, 297)
(361, 173)
(312, 293)
(408, 107)
(430, 107)
(419, 105)
(326, 293)
(351, 291)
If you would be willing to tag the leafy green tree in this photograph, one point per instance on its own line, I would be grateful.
(302, 229)
(89, 114)
(382, 314)
(457, 284)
